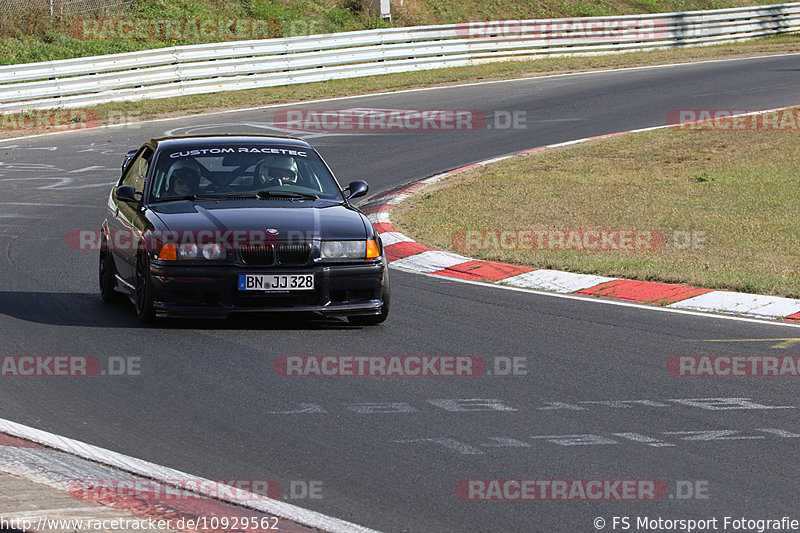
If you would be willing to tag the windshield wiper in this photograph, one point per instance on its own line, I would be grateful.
(243, 195)
(287, 194)
(191, 197)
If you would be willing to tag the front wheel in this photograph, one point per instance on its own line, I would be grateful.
(143, 293)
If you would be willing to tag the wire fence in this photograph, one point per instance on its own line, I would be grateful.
(64, 8)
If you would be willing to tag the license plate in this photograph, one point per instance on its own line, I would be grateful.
(276, 282)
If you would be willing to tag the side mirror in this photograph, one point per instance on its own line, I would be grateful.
(357, 188)
(126, 193)
(127, 159)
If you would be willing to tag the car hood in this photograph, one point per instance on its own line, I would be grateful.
(328, 222)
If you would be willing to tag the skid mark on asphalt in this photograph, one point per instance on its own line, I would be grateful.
(8, 251)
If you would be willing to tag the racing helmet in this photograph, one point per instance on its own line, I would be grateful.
(282, 168)
(185, 181)
(178, 167)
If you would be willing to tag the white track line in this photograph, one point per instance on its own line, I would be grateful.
(168, 476)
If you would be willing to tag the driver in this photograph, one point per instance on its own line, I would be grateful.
(279, 170)
(185, 182)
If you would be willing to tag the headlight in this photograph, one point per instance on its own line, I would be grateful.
(213, 252)
(353, 250)
(190, 251)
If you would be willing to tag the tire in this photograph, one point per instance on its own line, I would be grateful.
(143, 293)
(106, 274)
(374, 320)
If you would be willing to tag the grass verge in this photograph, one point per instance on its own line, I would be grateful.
(723, 196)
(122, 112)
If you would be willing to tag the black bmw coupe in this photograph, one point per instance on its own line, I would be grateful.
(205, 226)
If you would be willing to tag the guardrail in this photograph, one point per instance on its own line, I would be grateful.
(209, 68)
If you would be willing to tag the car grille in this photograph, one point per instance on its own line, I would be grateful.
(293, 253)
(287, 254)
(257, 255)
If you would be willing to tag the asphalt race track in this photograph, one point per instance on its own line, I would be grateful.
(208, 402)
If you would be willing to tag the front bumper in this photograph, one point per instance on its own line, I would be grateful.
(211, 291)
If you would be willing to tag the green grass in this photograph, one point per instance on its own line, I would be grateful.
(736, 190)
(31, 36)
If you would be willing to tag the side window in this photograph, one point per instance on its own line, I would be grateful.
(137, 169)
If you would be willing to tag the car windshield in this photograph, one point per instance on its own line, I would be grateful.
(294, 173)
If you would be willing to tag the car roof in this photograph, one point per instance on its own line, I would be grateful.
(187, 141)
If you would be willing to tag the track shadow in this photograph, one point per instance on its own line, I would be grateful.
(79, 309)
